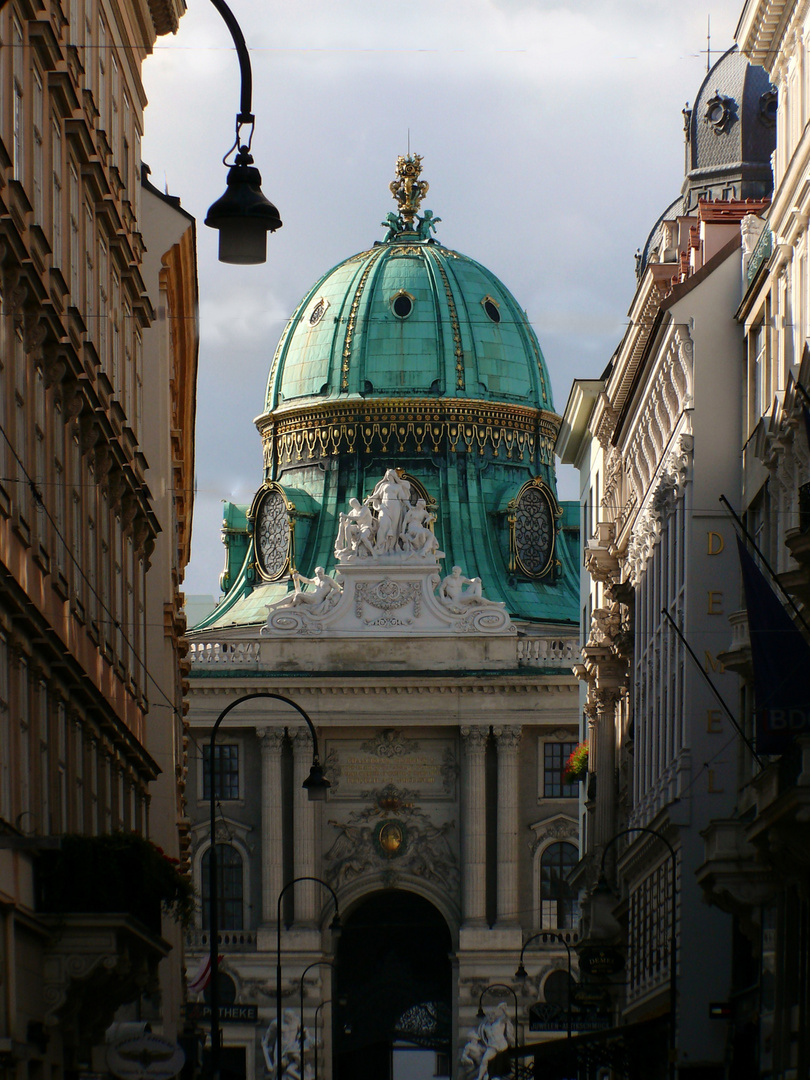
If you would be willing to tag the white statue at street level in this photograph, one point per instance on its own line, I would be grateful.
(459, 593)
(290, 1048)
(324, 595)
(495, 1033)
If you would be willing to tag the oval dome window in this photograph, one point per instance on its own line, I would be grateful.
(402, 306)
(491, 308)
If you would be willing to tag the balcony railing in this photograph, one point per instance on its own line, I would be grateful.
(229, 940)
(529, 652)
(225, 653)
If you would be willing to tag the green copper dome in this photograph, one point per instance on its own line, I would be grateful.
(413, 357)
(409, 317)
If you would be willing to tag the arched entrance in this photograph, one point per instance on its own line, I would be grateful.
(392, 988)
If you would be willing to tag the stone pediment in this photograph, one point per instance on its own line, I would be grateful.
(388, 579)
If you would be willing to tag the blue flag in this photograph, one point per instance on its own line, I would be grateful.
(780, 657)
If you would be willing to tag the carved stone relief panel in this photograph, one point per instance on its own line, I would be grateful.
(356, 766)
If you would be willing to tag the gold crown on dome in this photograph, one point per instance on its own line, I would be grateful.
(407, 188)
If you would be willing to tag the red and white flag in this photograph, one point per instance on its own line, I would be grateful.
(202, 978)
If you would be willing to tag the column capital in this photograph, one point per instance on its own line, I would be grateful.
(507, 736)
(301, 740)
(270, 739)
(474, 738)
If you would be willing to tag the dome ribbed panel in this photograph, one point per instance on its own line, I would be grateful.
(447, 346)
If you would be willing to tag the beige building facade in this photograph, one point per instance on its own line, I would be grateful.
(656, 441)
(94, 419)
(756, 866)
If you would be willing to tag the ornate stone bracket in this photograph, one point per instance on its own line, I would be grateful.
(93, 965)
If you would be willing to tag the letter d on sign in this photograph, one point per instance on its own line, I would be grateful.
(716, 543)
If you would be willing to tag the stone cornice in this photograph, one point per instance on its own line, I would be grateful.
(440, 685)
(459, 425)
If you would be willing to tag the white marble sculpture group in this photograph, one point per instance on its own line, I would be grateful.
(387, 523)
(388, 563)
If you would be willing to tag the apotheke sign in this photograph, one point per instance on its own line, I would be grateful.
(228, 1014)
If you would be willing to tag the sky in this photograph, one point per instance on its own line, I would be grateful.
(552, 138)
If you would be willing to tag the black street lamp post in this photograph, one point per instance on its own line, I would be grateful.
(316, 785)
(317, 1012)
(243, 215)
(314, 964)
(480, 1014)
(545, 936)
(334, 926)
(603, 888)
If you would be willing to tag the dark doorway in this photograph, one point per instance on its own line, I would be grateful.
(392, 984)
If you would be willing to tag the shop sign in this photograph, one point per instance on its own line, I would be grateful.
(546, 1017)
(228, 1014)
(598, 961)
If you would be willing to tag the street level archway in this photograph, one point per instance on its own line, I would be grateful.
(392, 984)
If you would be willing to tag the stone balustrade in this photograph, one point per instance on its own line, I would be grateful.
(529, 652)
(551, 652)
(224, 653)
(229, 940)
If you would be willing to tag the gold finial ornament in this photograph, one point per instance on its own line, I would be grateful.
(408, 189)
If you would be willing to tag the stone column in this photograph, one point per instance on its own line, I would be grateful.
(271, 740)
(474, 854)
(306, 892)
(604, 764)
(507, 740)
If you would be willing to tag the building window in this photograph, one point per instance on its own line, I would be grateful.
(558, 899)
(75, 259)
(229, 888)
(227, 771)
(5, 730)
(56, 191)
(90, 272)
(103, 307)
(555, 755)
(18, 64)
(531, 515)
(557, 987)
(39, 150)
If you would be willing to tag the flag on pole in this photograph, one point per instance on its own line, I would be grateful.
(780, 657)
(202, 977)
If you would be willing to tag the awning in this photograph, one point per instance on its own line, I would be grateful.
(634, 1051)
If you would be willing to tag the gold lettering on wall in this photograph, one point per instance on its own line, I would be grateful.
(715, 602)
(713, 664)
(716, 543)
(713, 789)
(714, 722)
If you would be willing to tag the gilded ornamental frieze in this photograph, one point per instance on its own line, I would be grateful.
(393, 426)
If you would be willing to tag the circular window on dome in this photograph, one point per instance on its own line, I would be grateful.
(768, 105)
(532, 529)
(402, 304)
(318, 312)
(272, 534)
(492, 308)
(719, 112)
